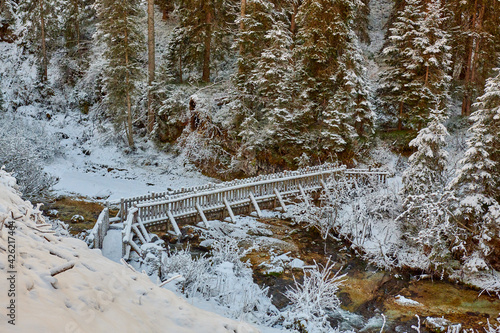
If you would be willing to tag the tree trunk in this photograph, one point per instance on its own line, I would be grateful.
(242, 24)
(44, 48)
(77, 24)
(467, 99)
(208, 39)
(128, 128)
(293, 24)
(151, 64)
(400, 118)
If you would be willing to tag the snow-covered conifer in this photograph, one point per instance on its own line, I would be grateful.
(418, 56)
(38, 26)
(322, 38)
(477, 183)
(426, 170)
(120, 32)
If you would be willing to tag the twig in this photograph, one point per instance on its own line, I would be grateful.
(169, 280)
(63, 268)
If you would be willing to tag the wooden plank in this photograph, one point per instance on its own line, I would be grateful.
(303, 193)
(174, 224)
(280, 199)
(139, 234)
(144, 230)
(126, 255)
(136, 247)
(202, 214)
(229, 210)
(254, 202)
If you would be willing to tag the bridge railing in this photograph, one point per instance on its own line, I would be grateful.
(96, 237)
(127, 203)
(234, 194)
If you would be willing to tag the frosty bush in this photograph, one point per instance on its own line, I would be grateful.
(311, 299)
(222, 279)
(24, 148)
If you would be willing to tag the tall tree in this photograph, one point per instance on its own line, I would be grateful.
(477, 183)
(120, 32)
(207, 26)
(322, 38)
(418, 59)
(151, 63)
(476, 41)
(426, 217)
(38, 22)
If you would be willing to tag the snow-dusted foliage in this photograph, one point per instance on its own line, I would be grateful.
(426, 170)
(418, 56)
(477, 183)
(24, 149)
(119, 30)
(221, 279)
(313, 298)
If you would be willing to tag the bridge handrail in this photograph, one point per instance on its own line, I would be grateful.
(235, 187)
(96, 236)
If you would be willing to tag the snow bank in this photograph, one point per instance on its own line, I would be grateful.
(62, 286)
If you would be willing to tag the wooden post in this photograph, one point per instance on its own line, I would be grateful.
(229, 210)
(254, 202)
(280, 199)
(202, 214)
(174, 224)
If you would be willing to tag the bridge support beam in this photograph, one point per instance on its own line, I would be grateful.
(303, 193)
(174, 224)
(139, 234)
(254, 202)
(143, 229)
(229, 210)
(280, 199)
(202, 214)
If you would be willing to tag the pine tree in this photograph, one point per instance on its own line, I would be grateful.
(476, 43)
(354, 94)
(418, 56)
(119, 30)
(426, 217)
(427, 165)
(207, 27)
(478, 181)
(322, 38)
(38, 23)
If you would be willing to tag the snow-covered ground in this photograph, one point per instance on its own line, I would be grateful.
(62, 286)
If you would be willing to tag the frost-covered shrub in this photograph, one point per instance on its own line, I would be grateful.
(312, 298)
(222, 279)
(194, 271)
(24, 149)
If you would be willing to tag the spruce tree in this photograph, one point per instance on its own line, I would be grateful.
(418, 56)
(120, 32)
(354, 94)
(477, 183)
(207, 26)
(426, 217)
(38, 24)
(322, 39)
(427, 165)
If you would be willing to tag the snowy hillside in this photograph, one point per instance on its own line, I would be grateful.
(62, 286)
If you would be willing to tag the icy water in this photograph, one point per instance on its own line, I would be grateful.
(369, 292)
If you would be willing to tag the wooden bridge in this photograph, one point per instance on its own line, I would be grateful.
(164, 211)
